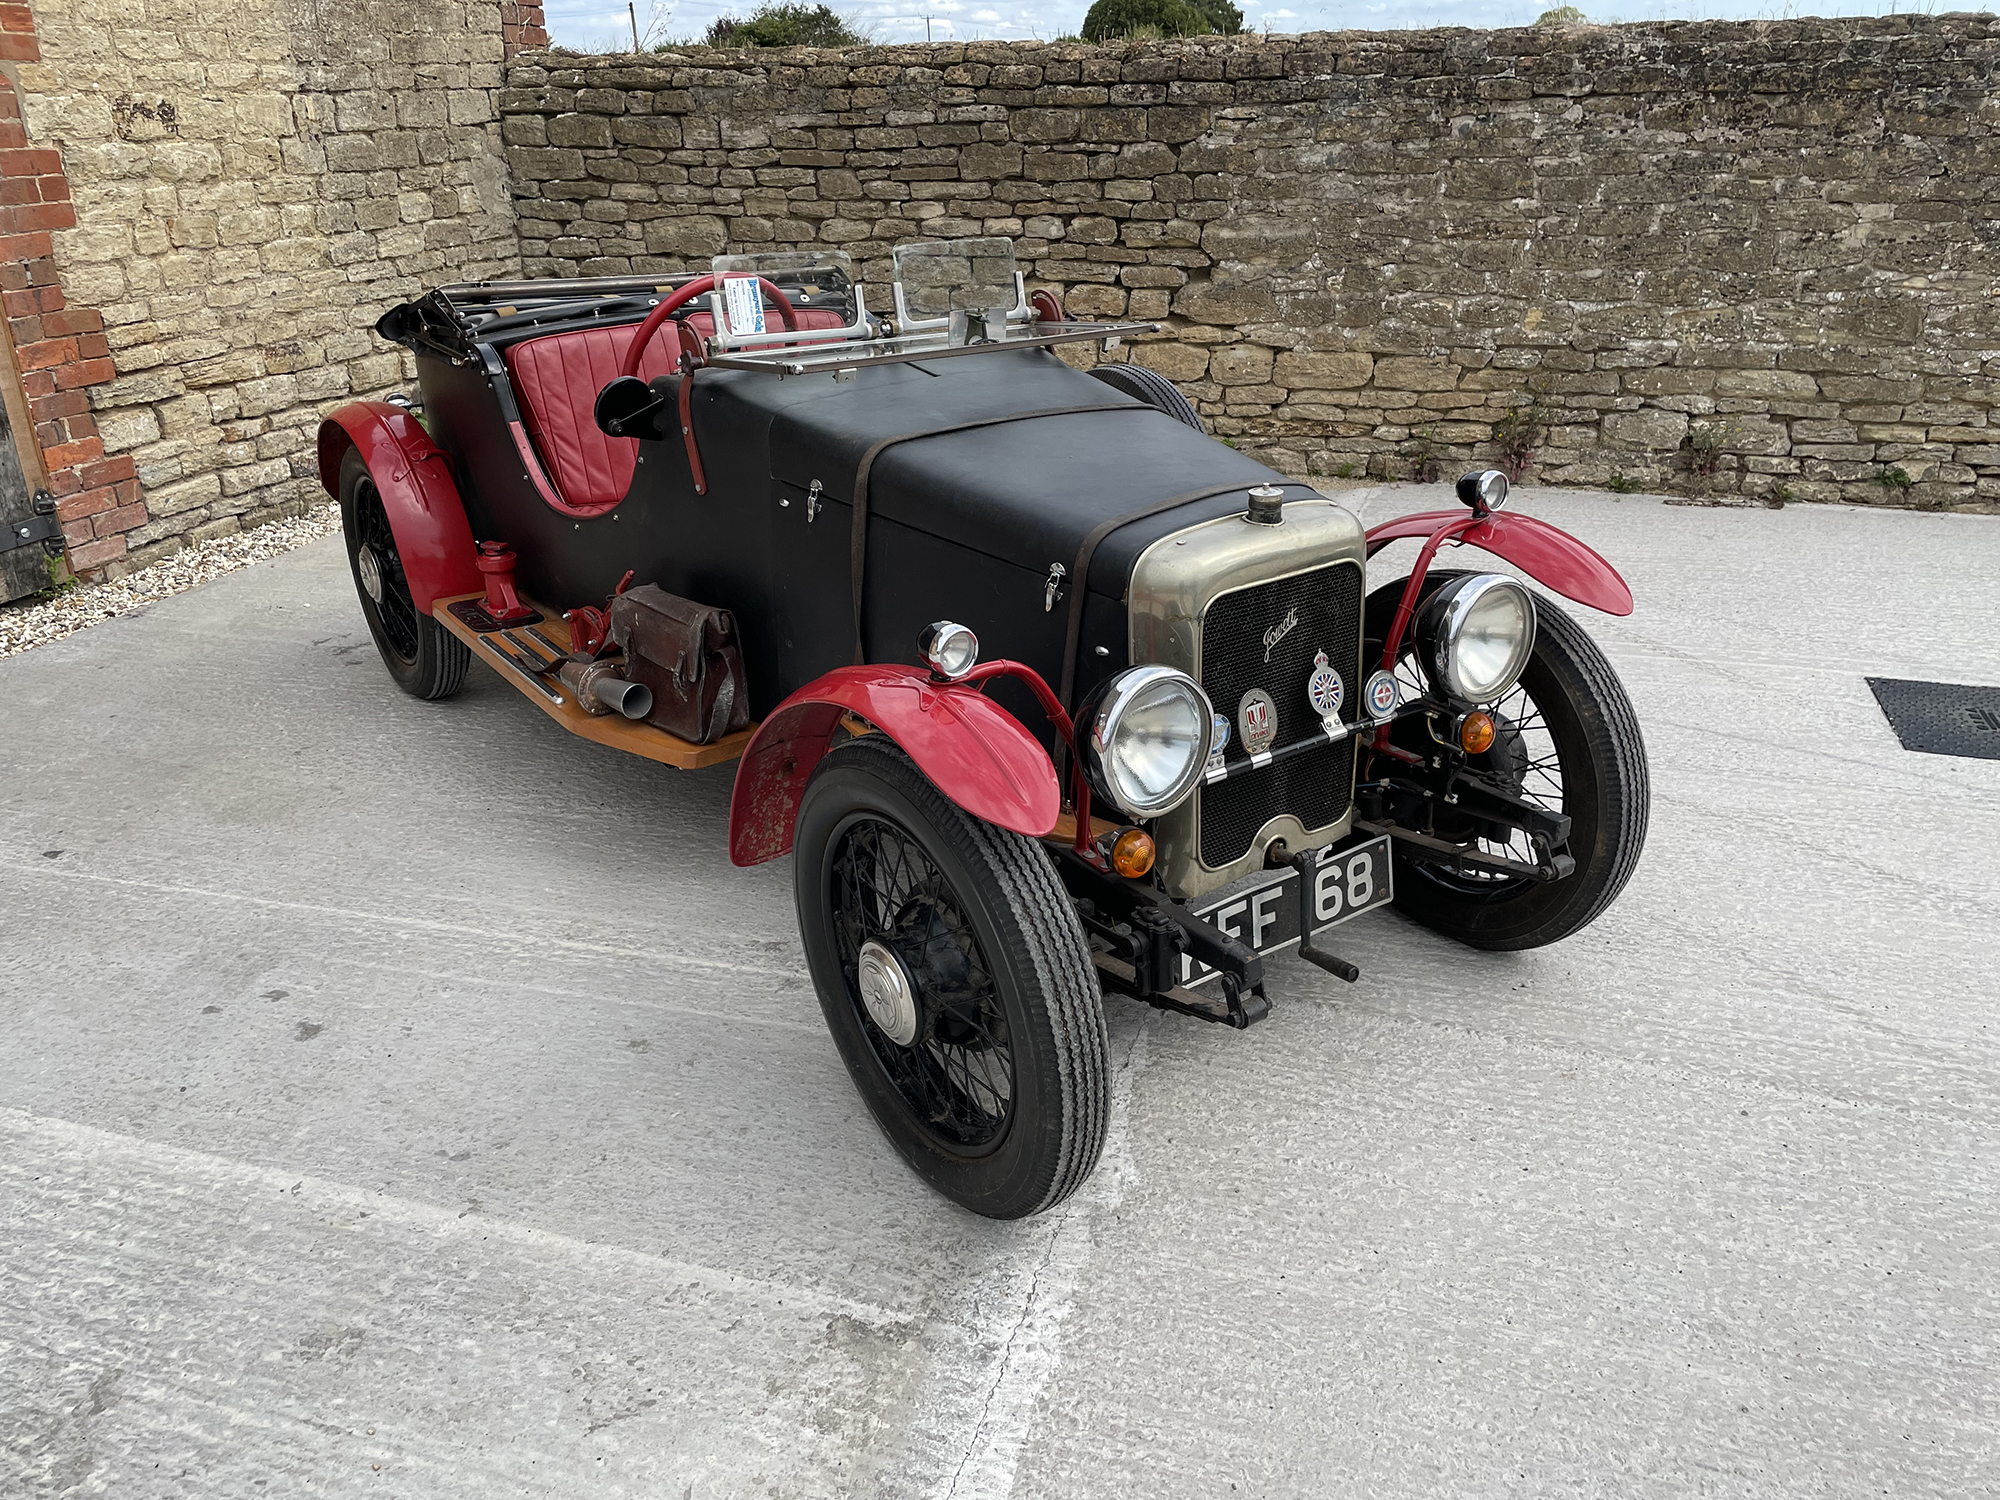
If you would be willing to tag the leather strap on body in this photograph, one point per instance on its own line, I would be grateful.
(1079, 578)
(858, 546)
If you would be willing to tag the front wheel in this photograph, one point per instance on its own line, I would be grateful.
(956, 981)
(1566, 739)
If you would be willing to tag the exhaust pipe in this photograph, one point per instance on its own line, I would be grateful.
(600, 690)
(632, 699)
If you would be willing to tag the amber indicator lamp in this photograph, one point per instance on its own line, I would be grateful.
(1132, 853)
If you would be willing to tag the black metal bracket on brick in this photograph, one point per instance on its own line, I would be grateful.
(41, 526)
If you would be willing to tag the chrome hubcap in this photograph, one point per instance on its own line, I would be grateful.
(370, 571)
(887, 992)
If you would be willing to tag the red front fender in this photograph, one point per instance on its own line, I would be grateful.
(975, 752)
(433, 538)
(1549, 556)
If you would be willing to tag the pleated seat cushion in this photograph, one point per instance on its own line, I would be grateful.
(557, 378)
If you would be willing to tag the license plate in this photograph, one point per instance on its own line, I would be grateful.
(1346, 882)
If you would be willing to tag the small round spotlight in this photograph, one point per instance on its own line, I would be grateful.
(950, 649)
(1485, 490)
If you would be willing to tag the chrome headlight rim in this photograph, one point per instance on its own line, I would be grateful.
(1097, 729)
(1485, 490)
(1441, 627)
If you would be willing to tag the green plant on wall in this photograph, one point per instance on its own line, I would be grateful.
(1112, 20)
(1704, 449)
(1424, 459)
(1518, 434)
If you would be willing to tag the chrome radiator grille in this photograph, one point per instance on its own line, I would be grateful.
(1317, 787)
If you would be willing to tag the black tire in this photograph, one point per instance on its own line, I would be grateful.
(1152, 388)
(993, 951)
(426, 660)
(1602, 780)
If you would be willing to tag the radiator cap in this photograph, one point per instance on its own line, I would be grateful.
(1267, 506)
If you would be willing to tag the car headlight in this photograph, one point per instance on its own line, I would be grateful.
(1476, 634)
(1143, 735)
(950, 649)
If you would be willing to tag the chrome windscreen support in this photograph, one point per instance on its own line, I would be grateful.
(957, 322)
(861, 328)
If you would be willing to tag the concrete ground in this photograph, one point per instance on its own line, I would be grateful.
(409, 1100)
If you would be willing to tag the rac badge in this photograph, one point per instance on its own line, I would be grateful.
(1324, 689)
(1257, 719)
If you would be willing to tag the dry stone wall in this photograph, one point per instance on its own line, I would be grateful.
(1751, 258)
(254, 181)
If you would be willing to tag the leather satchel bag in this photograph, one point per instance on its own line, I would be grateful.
(688, 655)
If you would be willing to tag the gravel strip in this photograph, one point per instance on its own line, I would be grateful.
(35, 622)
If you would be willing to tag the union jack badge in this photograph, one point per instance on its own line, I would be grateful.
(1324, 689)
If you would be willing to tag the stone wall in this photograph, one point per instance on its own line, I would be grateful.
(253, 182)
(1752, 258)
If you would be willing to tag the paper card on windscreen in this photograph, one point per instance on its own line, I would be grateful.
(743, 304)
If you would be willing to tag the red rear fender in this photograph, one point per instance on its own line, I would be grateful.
(973, 750)
(433, 537)
(1550, 556)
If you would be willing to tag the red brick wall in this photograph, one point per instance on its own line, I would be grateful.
(521, 26)
(59, 347)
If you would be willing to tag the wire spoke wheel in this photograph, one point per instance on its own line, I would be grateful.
(956, 1073)
(956, 981)
(1524, 761)
(385, 590)
(1565, 740)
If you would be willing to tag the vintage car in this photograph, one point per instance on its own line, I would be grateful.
(1047, 692)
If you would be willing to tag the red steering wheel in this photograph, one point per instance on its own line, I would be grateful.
(678, 299)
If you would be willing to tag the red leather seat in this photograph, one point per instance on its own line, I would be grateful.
(557, 378)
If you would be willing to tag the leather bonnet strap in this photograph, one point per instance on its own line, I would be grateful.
(858, 546)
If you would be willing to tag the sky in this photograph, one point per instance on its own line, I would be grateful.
(601, 25)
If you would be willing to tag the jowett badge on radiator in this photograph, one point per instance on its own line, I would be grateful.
(1257, 721)
(1278, 632)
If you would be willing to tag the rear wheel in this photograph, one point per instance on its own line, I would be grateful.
(956, 981)
(1153, 388)
(1566, 739)
(426, 660)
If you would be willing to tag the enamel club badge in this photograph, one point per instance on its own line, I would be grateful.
(1257, 721)
(1324, 689)
(1382, 694)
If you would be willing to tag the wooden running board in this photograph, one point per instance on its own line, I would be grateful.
(633, 736)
